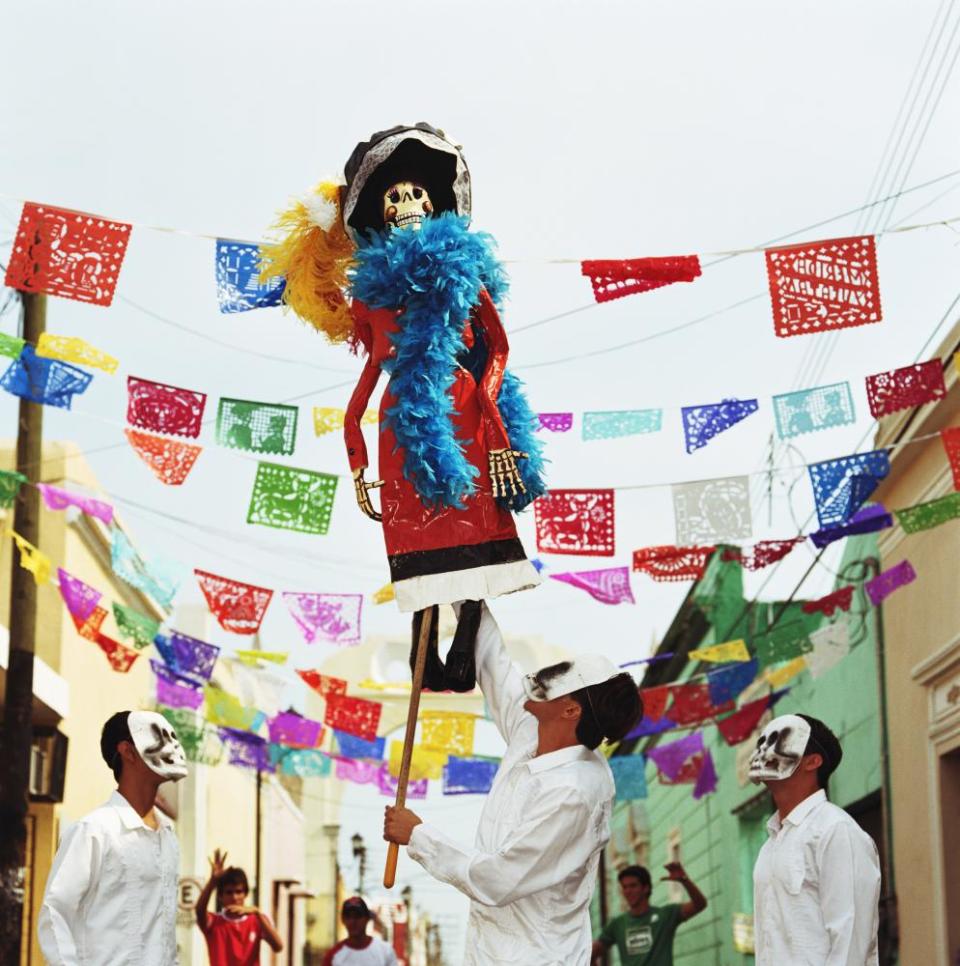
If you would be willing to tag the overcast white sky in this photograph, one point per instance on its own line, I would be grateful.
(601, 129)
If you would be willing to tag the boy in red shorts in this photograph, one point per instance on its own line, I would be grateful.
(233, 935)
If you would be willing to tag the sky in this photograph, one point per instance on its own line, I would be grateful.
(592, 130)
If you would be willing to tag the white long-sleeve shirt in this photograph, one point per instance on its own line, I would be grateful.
(111, 897)
(816, 886)
(531, 872)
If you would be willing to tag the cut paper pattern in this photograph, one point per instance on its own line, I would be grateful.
(711, 511)
(761, 554)
(424, 763)
(647, 726)
(44, 381)
(384, 595)
(239, 288)
(577, 522)
(90, 627)
(292, 499)
(926, 516)
(776, 677)
(174, 690)
(671, 758)
(615, 423)
(56, 499)
(870, 519)
(353, 715)
(245, 750)
(447, 731)
(879, 588)
(810, 410)
(889, 392)
(692, 704)
(740, 725)
(323, 684)
(121, 658)
(160, 408)
(669, 563)
(629, 777)
(70, 348)
(824, 286)
(655, 701)
(301, 762)
(81, 599)
(188, 655)
(10, 483)
(67, 253)
(350, 746)
(11, 346)
(223, 709)
(468, 776)
(831, 644)
(608, 586)
(726, 684)
(842, 485)
(253, 658)
(387, 784)
(613, 278)
(201, 745)
(334, 618)
(327, 419)
(238, 607)
(706, 783)
(556, 422)
(828, 604)
(257, 687)
(170, 459)
(357, 771)
(950, 437)
(718, 653)
(257, 427)
(33, 560)
(157, 579)
(294, 731)
(783, 643)
(702, 423)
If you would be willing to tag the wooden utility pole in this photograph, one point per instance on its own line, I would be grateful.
(17, 736)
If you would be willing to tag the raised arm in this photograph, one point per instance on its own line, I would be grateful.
(217, 865)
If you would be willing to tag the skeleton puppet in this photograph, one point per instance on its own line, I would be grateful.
(388, 264)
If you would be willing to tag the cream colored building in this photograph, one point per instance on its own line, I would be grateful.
(921, 646)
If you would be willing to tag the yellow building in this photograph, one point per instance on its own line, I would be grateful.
(922, 671)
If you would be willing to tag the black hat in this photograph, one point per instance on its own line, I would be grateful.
(354, 904)
(418, 153)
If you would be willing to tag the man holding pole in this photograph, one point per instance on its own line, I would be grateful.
(531, 873)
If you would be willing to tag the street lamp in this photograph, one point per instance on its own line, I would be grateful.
(360, 853)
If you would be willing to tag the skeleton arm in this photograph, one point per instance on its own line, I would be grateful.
(353, 436)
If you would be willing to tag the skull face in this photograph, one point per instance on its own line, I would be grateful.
(780, 747)
(405, 205)
(157, 744)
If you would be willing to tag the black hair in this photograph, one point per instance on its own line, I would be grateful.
(636, 872)
(823, 742)
(608, 710)
(115, 730)
(234, 876)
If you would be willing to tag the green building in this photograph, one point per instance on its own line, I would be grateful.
(717, 838)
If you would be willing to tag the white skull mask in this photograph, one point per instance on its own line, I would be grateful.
(405, 205)
(779, 749)
(157, 744)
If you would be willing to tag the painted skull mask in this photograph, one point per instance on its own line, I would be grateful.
(779, 749)
(583, 671)
(405, 205)
(157, 744)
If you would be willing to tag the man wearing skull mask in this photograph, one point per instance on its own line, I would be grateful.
(816, 880)
(112, 892)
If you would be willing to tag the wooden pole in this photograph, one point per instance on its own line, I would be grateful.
(17, 735)
(393, 850)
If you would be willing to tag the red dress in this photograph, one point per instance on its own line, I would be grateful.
(442, 555)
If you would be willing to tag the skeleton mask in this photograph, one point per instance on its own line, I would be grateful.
(405, 205)
(779, 749)
(568, 676)
(157, 744)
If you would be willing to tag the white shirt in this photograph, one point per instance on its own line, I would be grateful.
(816, 888)
(111, 897)
(532, 870)
(377, 953)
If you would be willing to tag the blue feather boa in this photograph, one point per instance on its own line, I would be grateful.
(435, 275)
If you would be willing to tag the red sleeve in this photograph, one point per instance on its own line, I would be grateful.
(352, 433)
(495, 338)
(328, 959)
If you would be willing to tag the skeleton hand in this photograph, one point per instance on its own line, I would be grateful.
(362, 490)
(504, 472)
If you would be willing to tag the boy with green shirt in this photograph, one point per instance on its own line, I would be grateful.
(644, 934)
